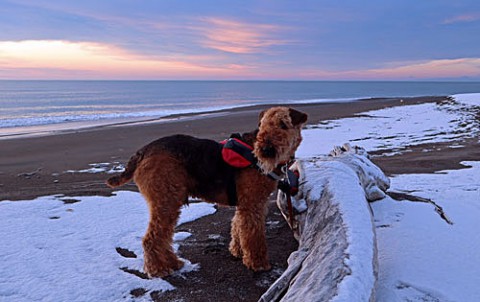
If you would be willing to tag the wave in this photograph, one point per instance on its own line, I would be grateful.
(69, 116)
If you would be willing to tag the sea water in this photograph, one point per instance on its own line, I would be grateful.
(38, 106)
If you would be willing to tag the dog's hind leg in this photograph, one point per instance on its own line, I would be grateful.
(162, 182)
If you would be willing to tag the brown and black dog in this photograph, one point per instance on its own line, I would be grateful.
(171, 169)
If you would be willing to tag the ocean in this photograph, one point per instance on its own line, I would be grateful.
(29, 107)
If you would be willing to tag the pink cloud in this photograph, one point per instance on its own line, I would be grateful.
(238, 37)
(59, 59)
(47, 59)
(433, 69)
(471, 17)
(445, 68)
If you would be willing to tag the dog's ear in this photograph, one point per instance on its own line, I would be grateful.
(297, 117)
(260, 116)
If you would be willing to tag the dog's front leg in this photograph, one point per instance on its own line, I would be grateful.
(235, 247)
(250, 225)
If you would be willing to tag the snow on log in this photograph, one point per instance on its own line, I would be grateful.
(337, 255)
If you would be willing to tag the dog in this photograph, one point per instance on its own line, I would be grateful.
(171, 169)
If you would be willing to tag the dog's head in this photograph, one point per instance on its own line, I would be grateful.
(278, 136)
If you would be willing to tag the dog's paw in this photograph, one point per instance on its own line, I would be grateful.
(262, 268)
(154, 271)
(157, 273)
(257, 266)
(235, 249)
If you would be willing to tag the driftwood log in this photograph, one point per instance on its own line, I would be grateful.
(337, 255)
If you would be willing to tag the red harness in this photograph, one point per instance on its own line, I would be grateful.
(237, 154)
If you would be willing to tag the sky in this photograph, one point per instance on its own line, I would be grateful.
(240, 40)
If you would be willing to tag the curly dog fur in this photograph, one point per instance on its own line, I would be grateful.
(171, 169)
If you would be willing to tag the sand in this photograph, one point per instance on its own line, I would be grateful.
(36, 166)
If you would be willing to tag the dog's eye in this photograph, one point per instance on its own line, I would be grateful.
(283, 125)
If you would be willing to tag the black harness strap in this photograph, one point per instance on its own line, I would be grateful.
(232, 190)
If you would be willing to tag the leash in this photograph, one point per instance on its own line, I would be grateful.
(289, 186)
(290, 209)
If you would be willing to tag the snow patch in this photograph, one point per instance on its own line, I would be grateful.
(397, 128)
(57, 251)
(472, 99)
(110, 168)
(418, 249)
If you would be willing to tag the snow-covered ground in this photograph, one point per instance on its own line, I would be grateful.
(58, 248)
(421, 256)
(397, 127)
(55, 249)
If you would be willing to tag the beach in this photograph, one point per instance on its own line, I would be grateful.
(37, 166)
(76, 163)
(387, 195)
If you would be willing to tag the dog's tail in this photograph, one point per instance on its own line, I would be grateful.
(126, 175)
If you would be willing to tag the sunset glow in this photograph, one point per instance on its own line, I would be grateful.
(255, 40)
(93, 59)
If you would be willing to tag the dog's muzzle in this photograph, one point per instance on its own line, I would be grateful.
(268, 151)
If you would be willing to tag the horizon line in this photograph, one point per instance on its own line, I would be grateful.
(245, 80)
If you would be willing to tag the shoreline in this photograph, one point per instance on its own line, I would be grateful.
(37, 166)
(93, 121)
(74, 126)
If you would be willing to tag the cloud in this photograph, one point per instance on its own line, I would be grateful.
(38, 58)
(60, 59)
(238, 37)
(471, 17)
(432, 69)
(47, 53)
(445, 68)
